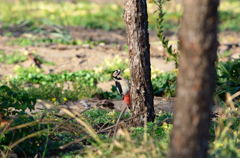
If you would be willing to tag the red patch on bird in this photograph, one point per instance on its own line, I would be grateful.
(127, 99)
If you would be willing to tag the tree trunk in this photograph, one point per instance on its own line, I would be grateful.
(196, 79)
(136, 20)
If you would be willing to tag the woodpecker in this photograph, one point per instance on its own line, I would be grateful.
(122, 85)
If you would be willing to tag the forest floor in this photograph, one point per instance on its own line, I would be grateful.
(86, 57)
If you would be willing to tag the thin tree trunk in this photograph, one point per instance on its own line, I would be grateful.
(196, 79)
(136, 20)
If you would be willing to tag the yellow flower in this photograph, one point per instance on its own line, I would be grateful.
(38, 70)
(114, 7)
(150, 1)
(107, 59)
(53, 99)
(17, 67)
(176, 71)
(154, 76)
(116, 57)
(98, 69)
(119, 61)
(26, 52)
(65, 99)
(159, 71)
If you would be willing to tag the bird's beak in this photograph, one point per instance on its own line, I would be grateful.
(122, 71)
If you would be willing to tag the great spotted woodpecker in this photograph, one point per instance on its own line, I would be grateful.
(122, 85)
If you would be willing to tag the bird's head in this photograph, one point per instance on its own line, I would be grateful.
(117, 73)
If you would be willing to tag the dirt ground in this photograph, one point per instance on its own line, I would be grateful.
(74, 58)
(66, 58)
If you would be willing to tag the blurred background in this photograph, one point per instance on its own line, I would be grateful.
(69, 36)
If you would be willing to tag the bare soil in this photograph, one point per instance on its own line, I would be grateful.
(74, 58)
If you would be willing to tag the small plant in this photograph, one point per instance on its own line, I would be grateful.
(165, 84)
(20, 71)
(173, 55)
(20, 42)
(14, 58)
(14, 103)
(35, 75)
(228, 78)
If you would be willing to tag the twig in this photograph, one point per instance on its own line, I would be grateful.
(85, 110)
(23, 125)
(42, 117)
(164, 120)
(109, 134)
(135, 116)
(105, 124)
(115, 131)
(78, 114)
(91, 121)
(54, 95)
(105, 129)
(27, 137)
(99, 131)
(68, 119)
(61, 124)
(2, 154)
(59, 116)
(88, 128)
(7, 126)
(73, 142)
(26, 125)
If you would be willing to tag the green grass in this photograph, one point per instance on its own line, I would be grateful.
(35, 41)
(14, 58)
(36, 16)
(18, 57)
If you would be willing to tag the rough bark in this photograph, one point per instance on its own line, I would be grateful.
(196, 79)
(136, 20)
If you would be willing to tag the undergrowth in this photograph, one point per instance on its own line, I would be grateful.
(58, 133)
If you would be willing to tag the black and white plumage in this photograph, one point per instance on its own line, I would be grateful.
(122, 84)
